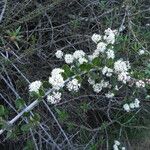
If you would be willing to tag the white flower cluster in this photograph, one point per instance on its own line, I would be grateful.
(141, 52)
(110, 36)
(121, 68)
(73, 85)
(147, 81)
(116, 88)
(101, 47)
(82, 60)
(124, 77)
(35, 86)
(96, 38)
(59, 54)
(54, 98)
(56, 79)
(102, 42)
(109, 95)
(110, 54)
(107, 71)
(128, 107)
(117, 145)
(69, 58)
(99, 86)
(140, 84)
(78, 55)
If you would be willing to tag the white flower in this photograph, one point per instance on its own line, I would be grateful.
(101, 47)
(109, 36)
(121, 66)
(141, 52)
(56, 79)
(110, 39)
(110, 54)
(132, 105)
(96, 53)
(97, 87)
(105, 83)
(116, 88)
(126, 107)
(73, 85)
(109, 95)
(107, 71)
(115, 147)
(136, 103)
(54, 98)
(91, 57)
(122, 28)
(91, 81)
(108, 31)
(56, 71)
(124, 77)
(69, 58)
(117, 142)
(140, 84)
(148, 24)
(82, 60)
(96, 38)
(78, 54)
(59, 54)
(35, 86)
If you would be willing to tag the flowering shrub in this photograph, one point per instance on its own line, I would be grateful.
(103, 74)
(101, 69)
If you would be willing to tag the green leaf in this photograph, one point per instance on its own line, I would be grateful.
(18, 30)
(75, 70)
(62, 114)
(26, 127)
(85, 67)
(41, 92)
(2, 110)
(46, 84)
(26, 114)
(34, 95)
(110, 63)
(11, 134)
(3, 123)
(29, 145)
(79, 79)
(19, 103)
(96, 61)
(64, 76)
(67, 70)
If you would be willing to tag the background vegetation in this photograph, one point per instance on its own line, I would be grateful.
(30, 33)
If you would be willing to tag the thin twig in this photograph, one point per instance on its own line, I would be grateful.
(3, 10)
